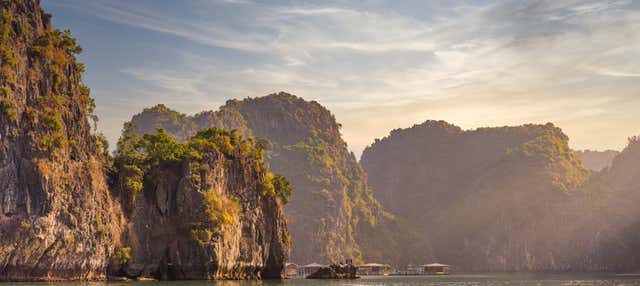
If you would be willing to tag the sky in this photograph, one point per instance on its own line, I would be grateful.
(377, 65)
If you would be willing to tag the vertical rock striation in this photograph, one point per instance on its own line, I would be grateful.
(57, 219)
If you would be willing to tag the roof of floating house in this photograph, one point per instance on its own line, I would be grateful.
(435, 265)
(313, 265)
(375, 265)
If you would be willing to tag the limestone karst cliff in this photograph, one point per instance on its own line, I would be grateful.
(57, 217)
(332, 214)
(204, 209)
(68, 211)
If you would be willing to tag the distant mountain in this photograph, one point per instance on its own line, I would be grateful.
(613, 217)
(597, 160)
(478, 196)
(332, 214)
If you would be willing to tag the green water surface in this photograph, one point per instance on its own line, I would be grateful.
(451, 280)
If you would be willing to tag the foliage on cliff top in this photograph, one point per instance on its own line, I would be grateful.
(551, 151)
(41, 87)
(276, 185)
(137, 155)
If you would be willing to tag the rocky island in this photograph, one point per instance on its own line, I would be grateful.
(336, 271)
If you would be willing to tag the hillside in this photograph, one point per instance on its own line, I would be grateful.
(478, 195)
(332, 213)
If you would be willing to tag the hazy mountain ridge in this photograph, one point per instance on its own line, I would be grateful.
(597, 160)
(615, 215)
(477, 194)
(508, 198)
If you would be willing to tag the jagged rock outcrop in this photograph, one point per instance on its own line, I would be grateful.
(57, 218)
(205, 209)
(332, 213)
(491, 199)
(336, 271)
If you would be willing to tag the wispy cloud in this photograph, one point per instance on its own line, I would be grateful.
(384, 64)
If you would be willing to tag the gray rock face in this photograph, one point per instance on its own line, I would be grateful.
(169, 238)
(57, 220)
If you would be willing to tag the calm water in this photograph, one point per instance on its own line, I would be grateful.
(452, 280)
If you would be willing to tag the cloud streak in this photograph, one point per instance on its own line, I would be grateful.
(385, 64)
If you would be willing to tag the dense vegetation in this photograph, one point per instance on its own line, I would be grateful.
(137, 155)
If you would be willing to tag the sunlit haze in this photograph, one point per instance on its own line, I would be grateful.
(375, 65)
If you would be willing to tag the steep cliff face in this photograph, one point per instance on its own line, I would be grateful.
(204, 209)
(609, 216)
(57, 220)
(331, 201)
(480, 197)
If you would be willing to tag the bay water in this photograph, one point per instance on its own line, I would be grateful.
(450, 280)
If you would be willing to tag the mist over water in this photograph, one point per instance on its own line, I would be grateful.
(452, 280)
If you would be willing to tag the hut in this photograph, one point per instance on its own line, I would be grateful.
(291, 270)
(374, 269)
(435, 269)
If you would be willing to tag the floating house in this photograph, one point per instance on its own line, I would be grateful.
(291, 270)
(435, 269)
(374, 269)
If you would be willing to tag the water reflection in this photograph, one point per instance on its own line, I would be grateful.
(452, 280)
